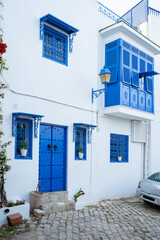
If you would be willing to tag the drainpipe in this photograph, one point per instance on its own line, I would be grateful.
(147, 151)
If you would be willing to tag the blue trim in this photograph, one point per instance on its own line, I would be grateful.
(132, 8)
(30, 138)
(37, 119)
(146, 74)
(109, 13)
(27, 114)
(119, 147)
(97, 93)
(50, 19)
(83, 125)
(65, 148)
(147, 9)
(84, 144)
(55, 22)
(153, 11)
(130, 60)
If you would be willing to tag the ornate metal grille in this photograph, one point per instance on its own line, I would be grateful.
(118, 145)
(55, 46)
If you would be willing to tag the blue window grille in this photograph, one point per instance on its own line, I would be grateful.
(80, 143)
(23, 133)
(55, 46)
(118, 146)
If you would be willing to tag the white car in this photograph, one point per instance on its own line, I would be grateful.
(149, 189)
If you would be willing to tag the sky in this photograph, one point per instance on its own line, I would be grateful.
(122, 6)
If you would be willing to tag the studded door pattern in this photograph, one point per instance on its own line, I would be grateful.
(58, 159)
(52, 158)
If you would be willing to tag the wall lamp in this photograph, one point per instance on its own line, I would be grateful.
(105, 76)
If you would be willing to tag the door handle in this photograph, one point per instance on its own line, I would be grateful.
(49, 146)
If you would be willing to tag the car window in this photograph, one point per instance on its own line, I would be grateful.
(155, 177)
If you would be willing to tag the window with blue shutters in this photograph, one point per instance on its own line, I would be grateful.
(23, 135)
(118, 147)
(55, 46)
(80, 144)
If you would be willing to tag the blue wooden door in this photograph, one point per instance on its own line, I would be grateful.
(52, 158)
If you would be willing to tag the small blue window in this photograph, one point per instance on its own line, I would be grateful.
(118, 148)
(80, 144)
(55, 46)
(23, 140)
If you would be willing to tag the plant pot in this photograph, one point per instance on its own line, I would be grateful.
(35, 200)
(120, 158)
(5, 211)
(79, 205)
(23, 152)
(80, 155)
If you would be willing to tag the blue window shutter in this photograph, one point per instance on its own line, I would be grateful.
(112, 63)
(112, 57)
(149, 80)
(135, 79)
(113, 71)
(149, 67)
(126, 75)
(149, 84)
(126, 58)
(134, 62)
(142, 65)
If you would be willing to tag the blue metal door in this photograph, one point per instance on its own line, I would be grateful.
(52, 158)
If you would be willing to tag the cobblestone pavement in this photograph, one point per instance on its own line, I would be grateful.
(120, 219)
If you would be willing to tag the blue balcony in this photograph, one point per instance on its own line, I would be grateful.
(127, 87)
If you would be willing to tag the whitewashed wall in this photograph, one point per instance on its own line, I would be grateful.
(32, 74)
(150, 29)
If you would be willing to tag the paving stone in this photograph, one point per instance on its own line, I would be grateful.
(123, 219)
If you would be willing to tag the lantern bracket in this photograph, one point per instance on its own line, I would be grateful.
(97, 93)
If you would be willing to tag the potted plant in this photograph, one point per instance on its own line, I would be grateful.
(11, 207)
(119, 157)
(36, 198)
(78, 205)
(80, 153)
(23, 148)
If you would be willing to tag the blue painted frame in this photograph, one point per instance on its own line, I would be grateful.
(119, 152)
(30, 139)
(65, 148)
(84, 144)
(127, 92)
(66, 45)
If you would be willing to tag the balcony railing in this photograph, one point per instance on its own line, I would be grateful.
(109, 13)
(153, 12)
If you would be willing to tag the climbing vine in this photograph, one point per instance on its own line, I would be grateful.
(4, 167)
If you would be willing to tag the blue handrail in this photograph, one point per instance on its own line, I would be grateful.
(109, 13)
(154, 12)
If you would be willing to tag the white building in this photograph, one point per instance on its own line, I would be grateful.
(55, 53)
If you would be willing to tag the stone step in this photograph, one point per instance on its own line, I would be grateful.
(58, 206)
(55, 197)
